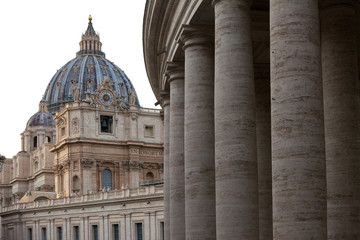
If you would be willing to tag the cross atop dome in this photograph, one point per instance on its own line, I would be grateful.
(90, 41)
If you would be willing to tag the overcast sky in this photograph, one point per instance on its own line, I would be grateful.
(40, 36)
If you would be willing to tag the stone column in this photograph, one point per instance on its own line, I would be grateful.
(176, 153)
(166, 107)
(27, 142)
(263, 139)
(298, 148)
(237, 215)
(153, 226)
(200, 219)
(341, 113)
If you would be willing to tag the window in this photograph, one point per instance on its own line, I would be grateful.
(138, 233)
(149, 176)
(95, 232)
(76, 233)
(115, 232)
(36, 165)
(48, 139)
(149, 131)
(63, 131)
(106, 179)
(59, 233)
(76, 183)
(43, 233)
(106, 124)
(162, 231)
(35, 142)
(30, 235)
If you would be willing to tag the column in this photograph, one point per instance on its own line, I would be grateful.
(128, 226)
(153, 226)
(86, 228)
(166, 107)
(101, 227)
(122, 226)
(106, 226)
(263, 139)
(27, 142)
(237, 215)
(177, 185)
(341, 116)
(200, 221)
(147, 225)
(298, 152)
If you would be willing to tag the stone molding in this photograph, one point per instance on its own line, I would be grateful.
(191, 35)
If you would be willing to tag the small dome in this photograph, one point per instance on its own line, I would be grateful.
(86, 71)
(41, 118)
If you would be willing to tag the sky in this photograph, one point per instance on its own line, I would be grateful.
(38, 37)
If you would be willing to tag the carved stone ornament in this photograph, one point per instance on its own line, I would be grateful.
(134, 116)
(86, 163)
(105, 97)
(61, 121)
(75, 125)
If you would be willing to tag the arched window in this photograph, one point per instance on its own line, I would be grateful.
(35, 142)
(106, 179)
(76, 184)
(149, 176)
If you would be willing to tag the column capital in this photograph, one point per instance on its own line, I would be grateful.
(247, 3)
(164, 98)
(174, 71)
(191, 35)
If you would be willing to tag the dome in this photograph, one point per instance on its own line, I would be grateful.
(87, 71)
(41, 118)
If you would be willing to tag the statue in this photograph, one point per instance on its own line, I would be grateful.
(76, 93)
(132, 96)
(121, 105)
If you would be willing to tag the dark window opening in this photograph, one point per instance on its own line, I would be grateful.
(139, 234)
(30, 235)
(35, 142)
(116, 232)
(76, 233)
(59, 233)
(95, 232)
(48, 139)
(106, 123)
(43, 234)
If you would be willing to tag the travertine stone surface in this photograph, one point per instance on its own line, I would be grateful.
(298, 153)
(341, 114)
(199, 134)
(166, 108)
(263, 139)
(235, 134)
(177, 182)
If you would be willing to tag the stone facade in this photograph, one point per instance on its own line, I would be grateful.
(270, 121)
(94, 169)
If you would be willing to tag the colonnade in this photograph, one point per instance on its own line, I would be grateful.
(265, 151)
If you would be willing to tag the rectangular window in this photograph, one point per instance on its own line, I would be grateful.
(115, 231)
(106, 123)
(63, 131)
(149, 131)
(43, 233)
(139, 231)
(30, 235)
(95, 232)
(162, 231)
(59, 233)
(76, 233)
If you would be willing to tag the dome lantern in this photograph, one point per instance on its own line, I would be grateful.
(90, 42)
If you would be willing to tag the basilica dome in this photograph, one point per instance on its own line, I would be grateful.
(41, 118)
(87, 71)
